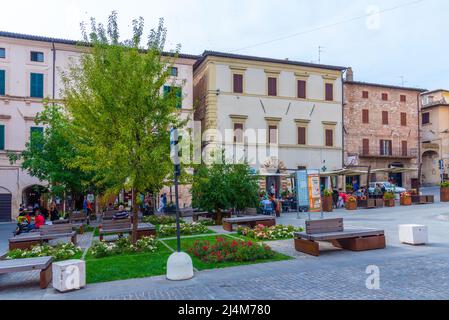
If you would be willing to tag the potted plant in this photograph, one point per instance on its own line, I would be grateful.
(389, 199)
(444, 191)
(328, 205)
(351, 203)
(349, 188)
(406, 199)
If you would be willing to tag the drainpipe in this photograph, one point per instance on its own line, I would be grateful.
(419, 143)
(343, 125)
(54, 72)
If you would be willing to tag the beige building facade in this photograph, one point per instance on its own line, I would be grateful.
(382, 125)
(276, 114)
(435, 136)
(30, 69)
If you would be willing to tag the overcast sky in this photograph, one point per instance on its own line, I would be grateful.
(408, 38)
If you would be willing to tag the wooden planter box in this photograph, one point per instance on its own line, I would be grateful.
(390, 203)
(444, 194)
(406, 201)
(419, 199)
(328, 204)
(351, 205)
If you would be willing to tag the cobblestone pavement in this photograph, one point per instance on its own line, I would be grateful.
(406, 272)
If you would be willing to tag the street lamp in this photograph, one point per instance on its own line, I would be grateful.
(179, 264)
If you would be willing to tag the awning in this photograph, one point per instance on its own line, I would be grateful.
(343, 172)
(395, 170)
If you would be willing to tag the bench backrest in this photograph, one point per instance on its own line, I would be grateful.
(324, 226)
(116, 224)
(56, 229)
(77, 216)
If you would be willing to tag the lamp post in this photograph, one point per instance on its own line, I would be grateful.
(179, 265)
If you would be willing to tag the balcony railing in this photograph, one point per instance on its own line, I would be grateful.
(395, 153)
(434, 102)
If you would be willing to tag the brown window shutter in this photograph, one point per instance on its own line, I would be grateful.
(238, 132)
(384, 117)
(365, 95)
(365, 116)
(385, 96)
(390, 147)
(366, 146)
(302, 94)
(404, 148)
(273, 134)
(238, 83)
(403, 98)
(403, 119)
(329, 138)
(302, 136)
(272, 86)
(382, 148)
(329, 92)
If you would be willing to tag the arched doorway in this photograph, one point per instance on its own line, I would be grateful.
(33, 195)
(430, 168)
(5, 205)
(396, 178)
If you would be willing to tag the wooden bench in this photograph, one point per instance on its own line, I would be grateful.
(125, 226)
(78, 219)
(22, 265)
(333, 230)
(108, 215)
(26, 241)
(250, 221)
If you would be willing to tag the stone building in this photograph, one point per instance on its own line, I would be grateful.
(290, 110)
(382, 130)
(29, 72)
(435, 136)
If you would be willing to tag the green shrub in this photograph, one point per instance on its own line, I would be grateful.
(262, 232)
(186, 229)
(123, 246)
(160, 220)
(389, 196)
(444, 184)
(60, 252)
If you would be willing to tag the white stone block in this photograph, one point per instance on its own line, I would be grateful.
(179, 267)
(413, 234)
(69, 275)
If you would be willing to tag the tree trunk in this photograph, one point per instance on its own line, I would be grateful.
(135, 216)
(218, 217)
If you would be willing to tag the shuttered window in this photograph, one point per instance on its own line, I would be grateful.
(2, 82)
(365, 116)
(36, 85)
(302, 94)
(178, 94)
(404, 148)
(385, 96)
(273, 134)
(403, 119)
(426, 118)
(238, 83)
(302, 139)
(385, 117)
(365, 144)
(386, 147)
(2, 137)
(329, 92)
(272, 86)
(403, 98)
(365, 94)
(2, 53)
(238, 132)
(329, 138)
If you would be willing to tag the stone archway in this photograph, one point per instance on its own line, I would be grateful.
(430, 168)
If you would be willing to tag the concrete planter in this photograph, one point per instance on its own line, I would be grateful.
(413, 234)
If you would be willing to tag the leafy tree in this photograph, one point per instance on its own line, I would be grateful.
(48, 155)
(222, 186)
(119, 113)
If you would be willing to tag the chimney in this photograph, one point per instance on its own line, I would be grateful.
(349, 74)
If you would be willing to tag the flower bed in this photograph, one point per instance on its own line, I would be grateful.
(225, 250)
(160, 220)
(60, 252)
(262, 232)
(123, 246)
(186, 229)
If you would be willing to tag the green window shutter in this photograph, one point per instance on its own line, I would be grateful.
(167, 90)
(179, 96)
(2, 83)
(37, 85)
(2, 137)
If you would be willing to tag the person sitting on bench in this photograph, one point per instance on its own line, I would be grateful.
(122, 214)
(39, 221)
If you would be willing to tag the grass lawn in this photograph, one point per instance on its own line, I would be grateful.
(200, 265)
(124, 267)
